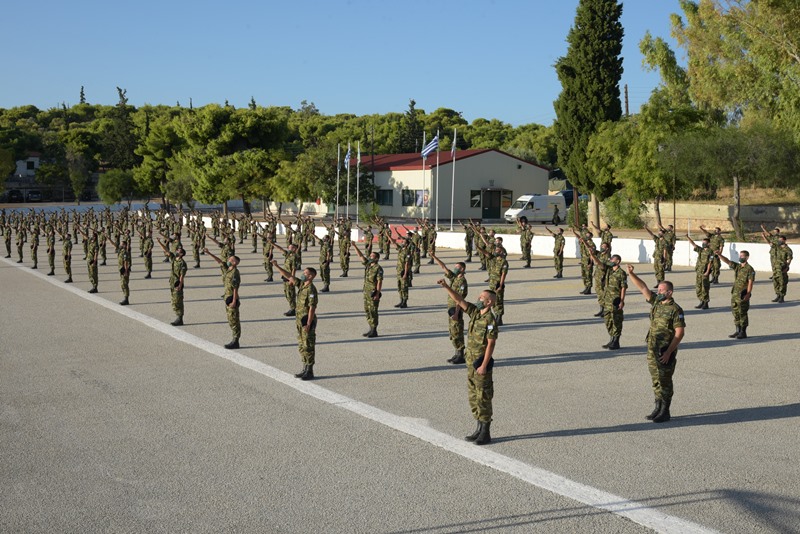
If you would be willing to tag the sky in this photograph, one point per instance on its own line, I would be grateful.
(489, 59)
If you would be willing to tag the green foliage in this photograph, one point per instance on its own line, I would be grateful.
(583, 212)
(623, 212)
(115, 185)
(410, 139)
(7, 163)
(590, 74)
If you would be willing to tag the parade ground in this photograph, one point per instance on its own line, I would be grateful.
(111, 420)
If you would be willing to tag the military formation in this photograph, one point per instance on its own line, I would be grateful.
(95, 232)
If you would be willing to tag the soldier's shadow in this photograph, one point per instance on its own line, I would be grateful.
(726, 417)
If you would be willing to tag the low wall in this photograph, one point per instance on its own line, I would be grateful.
(690, 216)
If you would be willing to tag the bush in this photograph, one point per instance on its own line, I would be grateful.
(622, 212)
(583, 206)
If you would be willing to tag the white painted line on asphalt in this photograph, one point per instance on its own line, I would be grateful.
(596, 498)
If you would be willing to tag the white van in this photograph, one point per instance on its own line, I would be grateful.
(538, 208)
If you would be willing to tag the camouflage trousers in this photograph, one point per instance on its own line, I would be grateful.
(306, 342)
(416, 259)
(19, 251)
(371, 309)
(613, 318)
(526, 253)
(457, 331)
(402, 287)
(68, 267)
(780, 280)
(384, 245)
(148, 262)
(344, 262)
(660, 374)
(92, 273)
(35, 256)
(599, 288)
(702, 285)
(715, 265)
(325, 272)
(290, 292)
(233, 321)
(587, 269)
(480, 390)
(51, 261)
(124, 284)
(268, 266)
(740, 308)
(468, 247)
(177, 301)
(499, 306)
(668, 259)
(658, 268)
(558, 262)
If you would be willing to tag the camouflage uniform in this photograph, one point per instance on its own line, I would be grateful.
(780, 272)
(587, 266)
(373, 274)
(325, 257)
(307, 298)
(558, 254)
(670, 239)
(51, 250)
(525, 238)
(702, 282)
(469, 235)
(664, 319)
(743, 272)
(67, 254)
(658, 257)
(124, 260)
(601, 269)
(480, 388)
(716, 242)
(232, 279)
(616, 281)
(498, 265)
(177, 271)
(458, 283)
(291, 264)
(404, 268)
(91, 260)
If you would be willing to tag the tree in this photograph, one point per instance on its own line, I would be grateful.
(115, 185)
(590, 74)
(119, 141)
(157, 149)
(82, 96)
(411, 130)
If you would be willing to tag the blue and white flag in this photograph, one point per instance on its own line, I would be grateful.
(430, 147)
(347, 158)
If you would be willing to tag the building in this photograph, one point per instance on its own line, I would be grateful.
(487, 182)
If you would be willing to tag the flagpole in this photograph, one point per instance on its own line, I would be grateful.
(358, 173)
(338, 170)
(453, 183)
(347, 163)
(423, 174)
(436, 222)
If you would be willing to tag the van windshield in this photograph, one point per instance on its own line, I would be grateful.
(518, 204)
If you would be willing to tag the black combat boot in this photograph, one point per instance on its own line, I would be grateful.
(458, 358)
(51, 273)
(705, 305)
(610, 341)
(148, 276)
(234, 344)
(325, 288)
(404, 303)
(699, 306)
(527, 265)
(399, 304)
(309, 375)
(93, 290)
(468, 260)
(656, 409)
(780, 300)
(742, 333)
(614, 345)
(474, 435)
(736, 334)
(484, 436)
(373, 332)
(290, 313)
(124, 302)
(68, 280)
(776, 299)
(599, 314)
(499, 320)
(268, 279)
(560, 275)
(663, 414)
(302, 373)
(178, 321)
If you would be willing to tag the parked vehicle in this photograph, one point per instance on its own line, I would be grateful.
(538, 208)
(15, 195)
(34, 195)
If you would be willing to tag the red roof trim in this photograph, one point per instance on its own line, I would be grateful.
(413, 161)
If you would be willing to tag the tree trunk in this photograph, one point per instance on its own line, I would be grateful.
(657, 209)
(245, 205)
(737, 227)
(264, 207)
(594, 210)
(225, 209)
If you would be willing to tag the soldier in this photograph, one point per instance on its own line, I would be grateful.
(669, 245)
(742, 290)
(469, 235)
(659, 254)
(373, 282)
(344, 249)
(415, 239)
(702, 269)
(716, 242)
(291, 264)
(231, 280)
(368, 238)
(67, 254)
(21, 238)
(481, 342)
(124, 259)
(587, 248)
(325, 259)
(383, 238)
(7, 238)
(558, 251)
(92, 254)
(306, 320)
(458, 283)
(404, 270)
(667, 328)
(498, 270)
(177, 275)
(147, 250)
(51, 249)
(601, 262)
(431, 241)
(780, 273)
(525, 238)
(35, 247)
(614, 290)
(267, 244)
(604, 234)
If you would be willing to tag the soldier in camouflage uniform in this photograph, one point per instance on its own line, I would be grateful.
(231, 280)
(742, 290)
(458, 283)
(659, 254)
(384, 234)
(481, 341)
(373, 282)
(780, 269)
(702, 269)
(291, 264)
(67, 255)
(92, 253)
(306, 318)
(600, 260)
(525, 238)
(667, 327)
(772, 240)
(588, 248)
(51, 249)
(669, 250)
(558, 251)
(469, 235)
(498, 270)
(177, 276)
(716, 242)
(604, 234)
(615, 288)
(325, 259)
(404, 247)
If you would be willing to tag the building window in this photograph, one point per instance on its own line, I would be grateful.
(409, 196)
(416, 197)
(508, 199)
(384, 197)
(475, 198)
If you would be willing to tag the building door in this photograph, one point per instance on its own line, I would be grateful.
(490, 204)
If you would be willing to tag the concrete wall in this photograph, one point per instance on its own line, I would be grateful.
(691, 215)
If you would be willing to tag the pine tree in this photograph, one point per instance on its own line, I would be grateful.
(590, 74)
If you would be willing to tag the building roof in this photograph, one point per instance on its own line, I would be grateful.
(413, 161)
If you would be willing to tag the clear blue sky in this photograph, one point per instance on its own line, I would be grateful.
(490, 59)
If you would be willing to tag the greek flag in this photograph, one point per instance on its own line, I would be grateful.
(430, 147)
(347, 158)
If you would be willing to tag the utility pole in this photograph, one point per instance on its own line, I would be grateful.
(627, 109)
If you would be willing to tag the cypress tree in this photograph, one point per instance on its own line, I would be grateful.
(590, 74)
